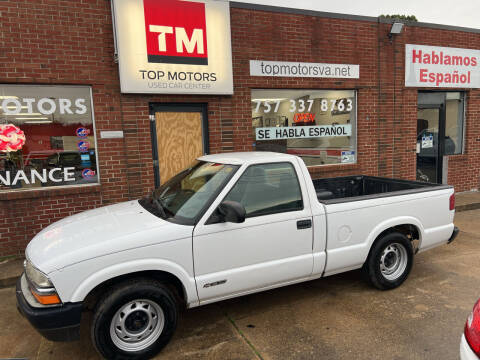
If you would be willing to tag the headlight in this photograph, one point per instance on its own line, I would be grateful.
(39, 279)
(40, 286)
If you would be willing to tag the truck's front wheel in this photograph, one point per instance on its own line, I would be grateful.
(134, 320)
(389, 262)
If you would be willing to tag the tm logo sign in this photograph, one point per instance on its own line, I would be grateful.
(176, 32)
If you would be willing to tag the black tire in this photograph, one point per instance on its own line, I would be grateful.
(389, 245)
(139, 291)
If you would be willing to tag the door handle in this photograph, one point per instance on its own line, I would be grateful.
(304, 224)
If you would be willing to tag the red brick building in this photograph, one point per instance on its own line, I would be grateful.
(58, 66)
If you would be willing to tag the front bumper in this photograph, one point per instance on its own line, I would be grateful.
(56, 323)
(456, 230)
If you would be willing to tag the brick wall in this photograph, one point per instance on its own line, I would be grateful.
(71, 42)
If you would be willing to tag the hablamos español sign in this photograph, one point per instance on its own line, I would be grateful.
(174, 46)
(441, 67)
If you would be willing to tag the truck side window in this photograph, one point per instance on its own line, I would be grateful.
(268, 189)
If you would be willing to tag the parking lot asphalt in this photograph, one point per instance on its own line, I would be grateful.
(339, 317)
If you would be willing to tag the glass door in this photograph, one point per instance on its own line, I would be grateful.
(430, 136)
(440, 131)
(428, 159)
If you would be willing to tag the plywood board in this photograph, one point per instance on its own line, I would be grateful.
(179, 140)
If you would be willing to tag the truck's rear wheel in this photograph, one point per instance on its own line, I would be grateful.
(134, 320)
(389, 262)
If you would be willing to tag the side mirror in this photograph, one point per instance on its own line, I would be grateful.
(232, 211)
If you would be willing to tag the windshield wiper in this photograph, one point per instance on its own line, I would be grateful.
(159, 205)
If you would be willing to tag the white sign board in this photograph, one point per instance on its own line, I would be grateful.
(117, 134)
(300, 132)
(427, 141)
(441, 67)
(173, 46)
(348, 156)
(301, 69)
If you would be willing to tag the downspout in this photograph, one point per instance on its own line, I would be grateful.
(379, 72)
(115, 46)
(394, 104)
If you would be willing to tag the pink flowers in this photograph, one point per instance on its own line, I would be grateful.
(11, 138)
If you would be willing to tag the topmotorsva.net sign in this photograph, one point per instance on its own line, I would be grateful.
(173, 46)
(441, 67)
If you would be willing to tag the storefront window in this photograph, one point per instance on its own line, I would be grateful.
(317, 125)
(47, 137)
(454, 123)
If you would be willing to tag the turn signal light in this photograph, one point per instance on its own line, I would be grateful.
(472, 329)
(49, 299)
(452, 202)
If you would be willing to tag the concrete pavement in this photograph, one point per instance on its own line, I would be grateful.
(339, 317)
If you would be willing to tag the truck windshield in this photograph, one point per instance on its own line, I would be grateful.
(185, 197)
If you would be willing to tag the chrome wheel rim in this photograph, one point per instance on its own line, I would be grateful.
(137, 325)
(393, 261)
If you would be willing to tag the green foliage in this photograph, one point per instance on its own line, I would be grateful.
(401, 17)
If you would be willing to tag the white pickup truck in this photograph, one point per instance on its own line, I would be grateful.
(229, 225)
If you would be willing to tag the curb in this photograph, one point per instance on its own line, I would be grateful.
(467, 207)
(8, 282)
(10, 270)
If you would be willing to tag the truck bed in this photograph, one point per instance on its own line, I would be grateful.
(361, 187)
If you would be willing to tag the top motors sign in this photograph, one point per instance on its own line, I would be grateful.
(174, 46)
(441, 67)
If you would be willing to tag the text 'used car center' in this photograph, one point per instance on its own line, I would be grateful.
(113, 107)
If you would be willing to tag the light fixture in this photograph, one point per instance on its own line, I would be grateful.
(8, 97)
(22, 114)
(38, 122)
(395, 29)
(269, 100)
(31, 118)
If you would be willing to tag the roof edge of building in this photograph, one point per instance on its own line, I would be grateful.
(279, 9)
(286, 10)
